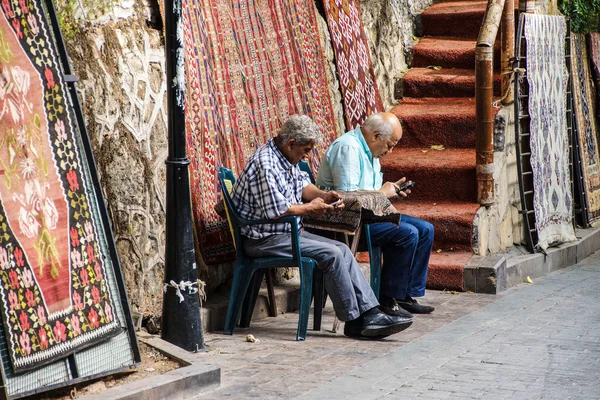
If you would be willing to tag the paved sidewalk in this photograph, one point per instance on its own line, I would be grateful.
(278, 367)
(539, 341)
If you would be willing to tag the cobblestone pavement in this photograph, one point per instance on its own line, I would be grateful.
(539, 341)
(279, 367)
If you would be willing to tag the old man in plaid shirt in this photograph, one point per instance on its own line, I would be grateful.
(272, 186)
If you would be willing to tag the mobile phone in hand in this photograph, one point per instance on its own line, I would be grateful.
(405, 186)
(335, 203)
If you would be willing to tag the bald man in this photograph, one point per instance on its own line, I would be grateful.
(352, 163)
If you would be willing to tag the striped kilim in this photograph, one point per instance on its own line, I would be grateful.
(54, 292)
(249, 65)
(585, 124)
(547, 77)
(353, 61)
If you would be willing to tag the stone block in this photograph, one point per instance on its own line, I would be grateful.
(517, 224)
(536, 265)
(493, 239)
(486, 274)
(589, 242)
(191, 380)
(506, 232)
(480, 231)
(287, 299)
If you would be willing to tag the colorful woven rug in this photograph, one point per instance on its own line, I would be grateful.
(353, 61)
(548, 78)
(585, 125)
(250, 64)
(594, 52)
(359, 207)
(54, 292)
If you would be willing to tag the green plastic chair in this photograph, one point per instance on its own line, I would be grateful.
(374, 257)
(245, 267)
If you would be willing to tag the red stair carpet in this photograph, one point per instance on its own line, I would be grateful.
(438, 108)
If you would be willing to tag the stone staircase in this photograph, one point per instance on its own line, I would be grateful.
(438, 108)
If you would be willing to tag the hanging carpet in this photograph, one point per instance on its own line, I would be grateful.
(585, 125)
(249, 65)
(548, 78)
(594, 52)
(54, 290)
(353, 61)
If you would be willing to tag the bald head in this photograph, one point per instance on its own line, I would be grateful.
(381, 131)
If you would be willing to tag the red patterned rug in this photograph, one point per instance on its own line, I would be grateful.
(353, 61)
(54, 290)
(250, 64)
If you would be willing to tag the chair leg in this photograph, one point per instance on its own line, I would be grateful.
(375, 264)
(250, 298)
(318, 294)
(306, 275)
(241, 280)
(269, 278)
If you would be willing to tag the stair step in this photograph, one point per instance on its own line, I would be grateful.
(453, 221)
(437, 120)
(448, 52)
(439, 175)
(447, 82)
(446, 270)
(454, 18)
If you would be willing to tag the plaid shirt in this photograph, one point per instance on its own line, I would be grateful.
(266, 188)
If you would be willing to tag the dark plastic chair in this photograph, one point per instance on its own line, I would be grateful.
(245, 268)
(374, 256)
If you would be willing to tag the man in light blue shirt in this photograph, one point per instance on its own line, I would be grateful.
(352, 163)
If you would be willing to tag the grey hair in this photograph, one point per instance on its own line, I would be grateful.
(301, 128)
(377, 123)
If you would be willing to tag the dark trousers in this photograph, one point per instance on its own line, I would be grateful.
(406, 249)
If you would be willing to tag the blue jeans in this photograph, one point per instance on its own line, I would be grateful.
(406, 249)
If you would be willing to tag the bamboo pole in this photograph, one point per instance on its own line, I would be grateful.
(507, 35)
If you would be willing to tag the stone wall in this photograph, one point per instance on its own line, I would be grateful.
(391, 27)
(120, 66)
(498, 227)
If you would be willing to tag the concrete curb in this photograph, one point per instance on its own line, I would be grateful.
(565, 255)
(182, 383)
(497, 272)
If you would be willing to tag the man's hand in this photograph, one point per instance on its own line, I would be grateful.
(392, 189)
(318, 207)
(333, 197)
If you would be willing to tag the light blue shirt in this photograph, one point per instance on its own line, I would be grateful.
(349, 165)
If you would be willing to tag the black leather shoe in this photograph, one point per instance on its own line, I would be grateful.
(391, 307)
(381, 325)
(354, 327)
(413, 306)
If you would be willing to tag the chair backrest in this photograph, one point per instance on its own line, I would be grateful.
(306, 168)
(227, 181)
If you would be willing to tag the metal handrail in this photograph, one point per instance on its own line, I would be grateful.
(497, 11)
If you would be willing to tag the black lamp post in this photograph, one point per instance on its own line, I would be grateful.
(181, 323)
